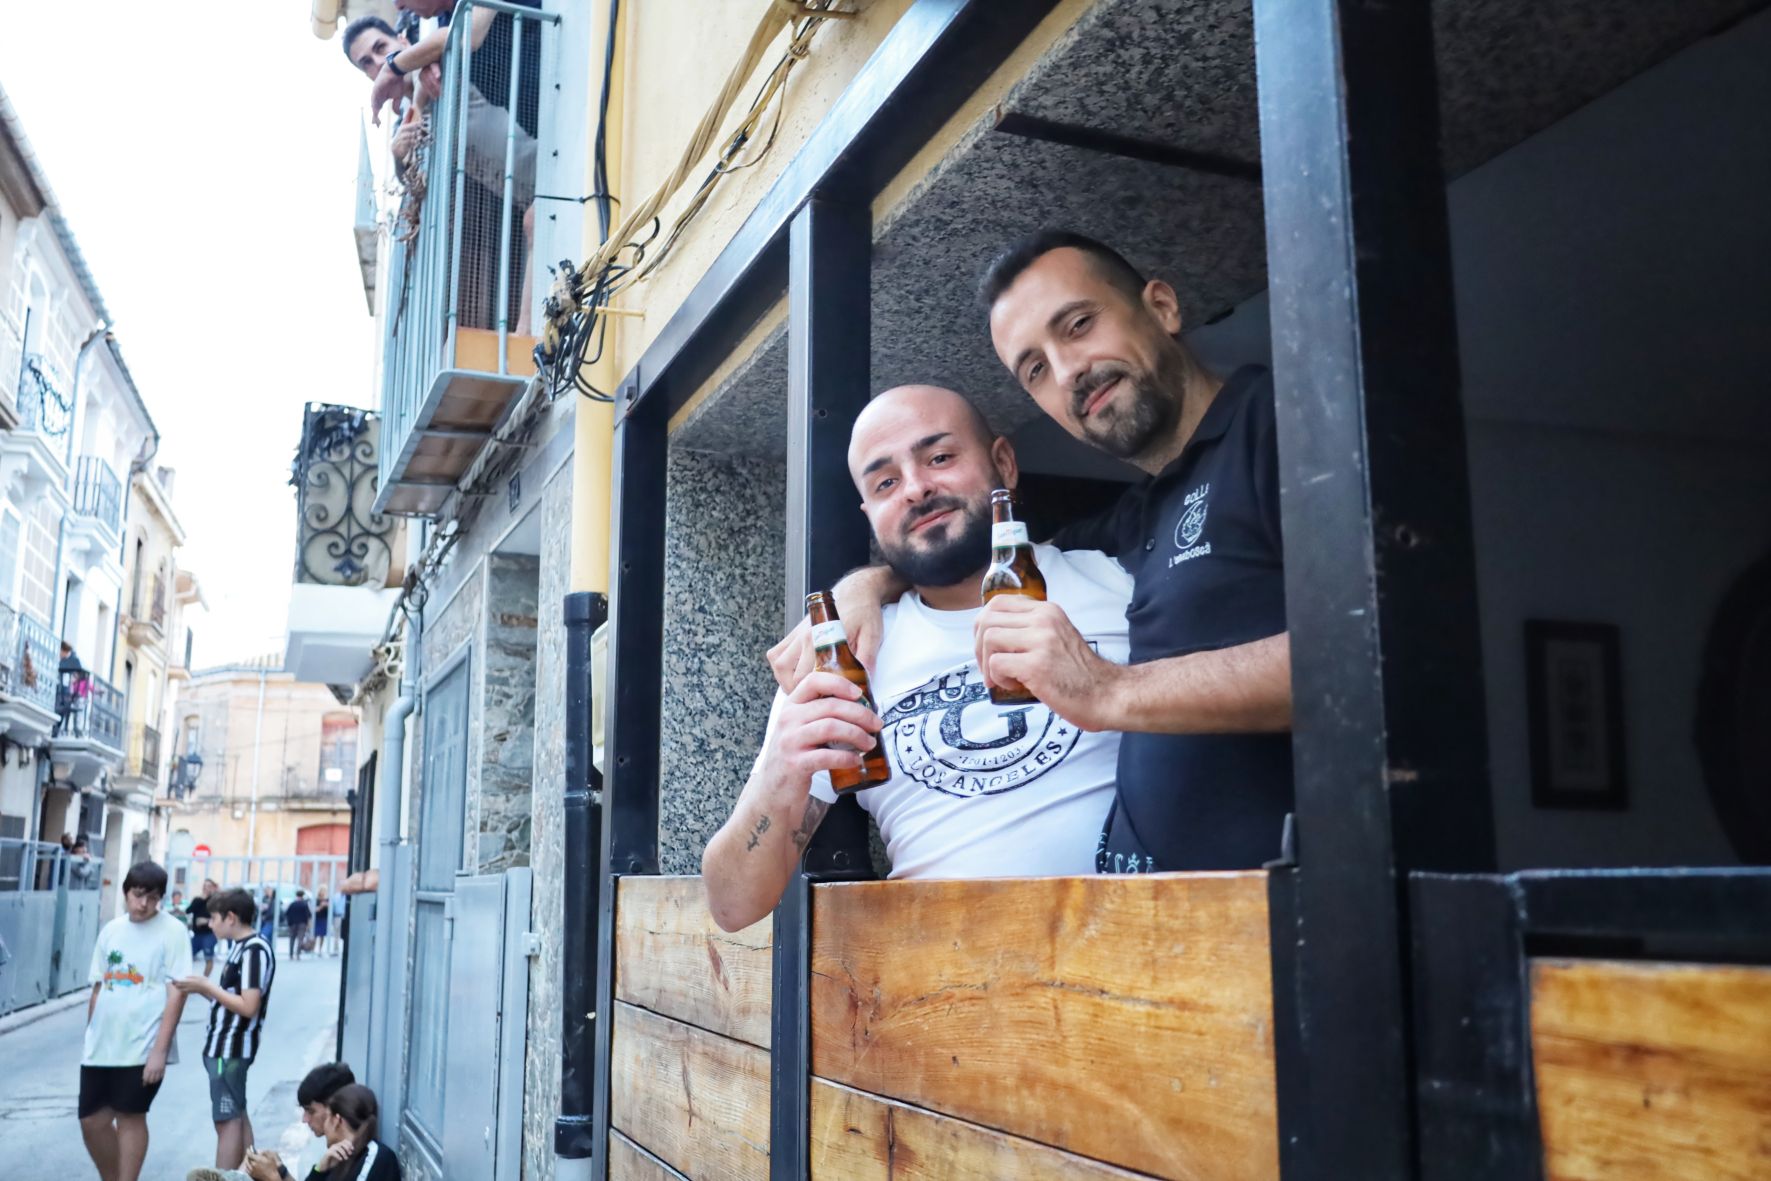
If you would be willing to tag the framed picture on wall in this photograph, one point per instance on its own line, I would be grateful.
(1574, 698)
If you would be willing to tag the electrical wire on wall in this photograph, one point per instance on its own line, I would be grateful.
(578, 309)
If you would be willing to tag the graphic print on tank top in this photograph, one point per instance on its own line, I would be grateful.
(947, 735)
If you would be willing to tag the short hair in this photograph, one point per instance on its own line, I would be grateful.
(1023, 252)
(360, 26)
(323, 1082)
(145, 875)
(236, 902)
(301, 893)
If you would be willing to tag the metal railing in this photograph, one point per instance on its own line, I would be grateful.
(150, 608)
(98, 493)
(45, 398)
(459, 251)
(144, 751)
(27, 659)
(89, 708)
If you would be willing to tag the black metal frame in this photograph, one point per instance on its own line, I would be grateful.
(574, 1130)
(1473, 940)
(1400, 994)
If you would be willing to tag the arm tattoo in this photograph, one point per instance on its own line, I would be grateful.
(756, 834)
(809, 822)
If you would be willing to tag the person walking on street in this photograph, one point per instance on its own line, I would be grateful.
(297, 917)
(322, 921)
(202, 935)
(236, 1020)
(267, 914)
(131, 1023)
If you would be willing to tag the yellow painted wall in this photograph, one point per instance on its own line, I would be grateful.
(678, 53)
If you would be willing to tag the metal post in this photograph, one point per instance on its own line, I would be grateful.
(1388, 719)
(830, 248)
(510, 159)
(631, 726)
(575, 1127)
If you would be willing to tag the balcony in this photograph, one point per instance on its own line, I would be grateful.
(88, 736)
(346, 553)
(147, 613)
(28, 678)
(455, 356)
(94, 529)
(34, 454)
(144, 754)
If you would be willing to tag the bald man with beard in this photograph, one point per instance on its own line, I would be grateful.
(977, 789)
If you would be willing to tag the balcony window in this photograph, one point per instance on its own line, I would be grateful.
(98, 492)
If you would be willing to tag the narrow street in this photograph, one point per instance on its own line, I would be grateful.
(40, 1084)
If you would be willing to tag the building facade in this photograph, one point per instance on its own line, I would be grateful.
(263, 768)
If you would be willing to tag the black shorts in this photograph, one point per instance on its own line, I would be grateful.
(117, 1087)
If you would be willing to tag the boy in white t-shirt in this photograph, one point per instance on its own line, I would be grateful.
(977, 789)
(131, 1019)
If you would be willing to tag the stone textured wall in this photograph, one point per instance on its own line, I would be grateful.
(541, 1085)
(501, 807)
(724, 555)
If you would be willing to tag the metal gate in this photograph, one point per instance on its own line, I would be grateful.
(308, 871)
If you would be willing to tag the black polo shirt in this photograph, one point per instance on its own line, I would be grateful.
(1202, 543)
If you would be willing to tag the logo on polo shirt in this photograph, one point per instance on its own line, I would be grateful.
(947, 735)
(1191, 527)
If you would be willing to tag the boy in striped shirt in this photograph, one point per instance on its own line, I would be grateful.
(236, 1018)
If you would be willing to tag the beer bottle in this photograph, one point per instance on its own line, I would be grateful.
(834, 656)
(1012, 572)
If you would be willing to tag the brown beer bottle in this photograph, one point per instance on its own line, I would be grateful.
(1012, 572)
(834, 656)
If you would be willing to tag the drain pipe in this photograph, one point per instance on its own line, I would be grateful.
(383, 1023)
(573, 1136)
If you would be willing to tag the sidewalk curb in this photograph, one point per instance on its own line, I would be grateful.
(39, 1011)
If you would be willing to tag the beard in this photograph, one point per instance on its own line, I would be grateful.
(946, 553)
(1142, 417)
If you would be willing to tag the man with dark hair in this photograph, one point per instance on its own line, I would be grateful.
(319, 1085)
(238, 1004)
(131, 1019)
(1205, 766)
(976, 790)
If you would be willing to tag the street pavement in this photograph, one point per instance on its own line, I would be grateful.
(40, 1083)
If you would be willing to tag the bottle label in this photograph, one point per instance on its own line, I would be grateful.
(828, 634)
(1004, 534)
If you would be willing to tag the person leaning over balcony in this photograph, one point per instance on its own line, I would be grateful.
(487, 127)
(977, 790)
(368, 42)
(1205, 766)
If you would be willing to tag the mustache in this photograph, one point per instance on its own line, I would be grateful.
(929, 508)
(1084, 387)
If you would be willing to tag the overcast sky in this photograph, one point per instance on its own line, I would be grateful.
(209, 173)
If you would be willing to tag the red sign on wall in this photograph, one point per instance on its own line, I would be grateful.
(200, 851)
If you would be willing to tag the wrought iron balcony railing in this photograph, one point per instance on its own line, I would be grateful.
(89, 708)
(456, 352)
(150, 607)
(27, 659)
(45, 398)
(340, 539)
(98, 493)
(144, 752)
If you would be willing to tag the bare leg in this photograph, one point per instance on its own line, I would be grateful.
(231, 1139)
(208, 967)
(101, 1142)
(524, 328)
(132, 1146)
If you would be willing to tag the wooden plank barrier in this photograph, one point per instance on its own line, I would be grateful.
(696, 1100)
(1654, 1072)
(629, 1162)
(1125, 1019)
(861, 1137)
(671, 958)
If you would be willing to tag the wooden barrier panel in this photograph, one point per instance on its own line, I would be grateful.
(696, 1100)
(861, 1137)
(1652, 1072)
(672, 959)
(1127, 1019)
(629, 1162)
